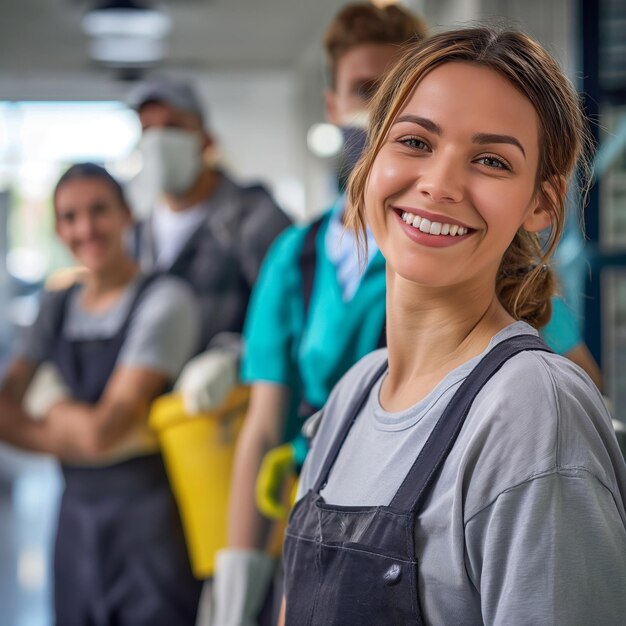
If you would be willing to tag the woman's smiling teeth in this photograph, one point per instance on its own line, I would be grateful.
(433, 228)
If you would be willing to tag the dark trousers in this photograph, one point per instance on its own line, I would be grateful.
(120, 555)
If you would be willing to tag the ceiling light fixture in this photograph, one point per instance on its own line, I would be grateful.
(126, 32)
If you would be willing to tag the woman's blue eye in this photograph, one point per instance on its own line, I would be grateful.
(494, 163)
(414, 142)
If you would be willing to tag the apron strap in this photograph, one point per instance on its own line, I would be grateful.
(64, 350)
(382, 338)
(416, 486)
(146, 281)
(308, 263)
(353, 412)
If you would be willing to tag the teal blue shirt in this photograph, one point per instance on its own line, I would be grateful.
(309, 356)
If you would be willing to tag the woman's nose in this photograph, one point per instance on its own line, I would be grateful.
(85, 226)
(441, 179)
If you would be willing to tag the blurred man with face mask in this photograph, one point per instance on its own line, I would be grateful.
(202, 226)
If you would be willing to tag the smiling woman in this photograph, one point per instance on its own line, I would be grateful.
(91, 217)
(451, 157)
(118, 338)
(451, 471)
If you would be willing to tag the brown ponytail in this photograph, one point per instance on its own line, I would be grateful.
(525, 285)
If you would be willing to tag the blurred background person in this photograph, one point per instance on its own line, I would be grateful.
(119, 337)
(202, 227)
(315, 310)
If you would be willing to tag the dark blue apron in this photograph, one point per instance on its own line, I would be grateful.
(120, 554)
(356, 565)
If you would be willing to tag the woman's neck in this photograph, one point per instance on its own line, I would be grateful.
(432, 331)
(102, 288)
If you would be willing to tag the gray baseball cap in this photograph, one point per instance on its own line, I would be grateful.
(179, 94)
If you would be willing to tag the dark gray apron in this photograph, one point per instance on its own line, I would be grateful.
(120, 554)
(356, 565)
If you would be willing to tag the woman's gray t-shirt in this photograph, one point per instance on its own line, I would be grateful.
(162, 335)
(526, 522)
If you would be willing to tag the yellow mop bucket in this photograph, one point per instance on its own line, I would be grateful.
(198, 451)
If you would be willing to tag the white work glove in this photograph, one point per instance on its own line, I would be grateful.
(46, 389)
(242, 579)
(207, 379)
(205, 606)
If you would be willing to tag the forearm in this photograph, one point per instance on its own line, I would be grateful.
(72, 431)
(92, 430)
(244, 569)
(262, 429)
(80, 432)
(247, 528)
(282, 614)
(19, 429)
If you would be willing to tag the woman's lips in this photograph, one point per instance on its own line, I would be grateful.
(432, 230)
(418, 215)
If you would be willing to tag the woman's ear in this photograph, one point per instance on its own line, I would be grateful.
(551, 194)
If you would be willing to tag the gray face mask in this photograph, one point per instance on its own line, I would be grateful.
(172, 161)
(354, 140)
(354, 133)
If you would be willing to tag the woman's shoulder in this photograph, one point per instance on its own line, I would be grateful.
(536, 377)
(582, 418)
(165, 326)
(51, 299)
(165, 302)
(53, 307)
(539, 414)
(168, 291)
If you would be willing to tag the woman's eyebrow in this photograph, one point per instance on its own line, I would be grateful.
(485, 138)
(480, 138)
(424, 122)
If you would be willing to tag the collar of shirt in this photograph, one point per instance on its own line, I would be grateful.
(341, 249)
(172, 230)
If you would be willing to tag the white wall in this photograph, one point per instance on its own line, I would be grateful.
(253, 116)
(551, 22)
